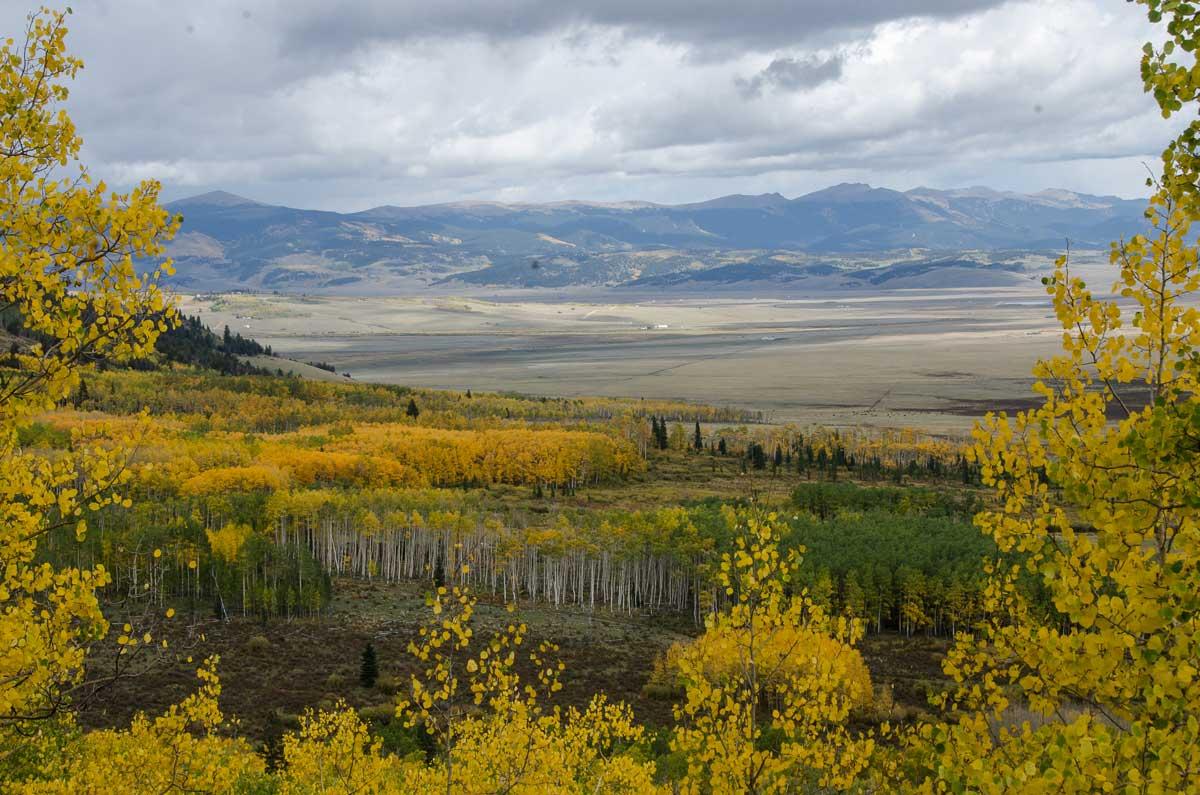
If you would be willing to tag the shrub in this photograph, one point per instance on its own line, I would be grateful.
(377, 713)
(287, 720)
(389, 685)
(258, 645)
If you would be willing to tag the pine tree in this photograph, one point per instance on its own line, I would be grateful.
(412, 410)
(757, 456)
(661, 434)
(698, 441)
(368, 671)
(721, 448)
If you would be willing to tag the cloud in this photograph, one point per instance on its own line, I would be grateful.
(748, 23)
(792, 74)
(345, 106)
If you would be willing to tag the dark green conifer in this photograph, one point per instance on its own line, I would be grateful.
(368, 671)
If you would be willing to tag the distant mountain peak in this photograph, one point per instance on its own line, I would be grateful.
(215, 198)
(844, 189)
(849, 192)
(975, 191)
(739, 201)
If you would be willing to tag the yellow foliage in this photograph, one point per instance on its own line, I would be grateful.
(771, 662)
(573, 752)
(334, 753)
(66, 269)
(179, 751)
(783, 653)
(226, 544)
(510, 750)
(1106, 516)
(317, 467)
(257, 477)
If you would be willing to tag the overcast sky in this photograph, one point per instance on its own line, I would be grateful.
(347, 105)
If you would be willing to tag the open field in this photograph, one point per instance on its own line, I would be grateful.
(922, 358)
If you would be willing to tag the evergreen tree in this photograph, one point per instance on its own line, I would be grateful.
(778, 456)
(721, 448)
(368, 671)
(757, 456)
(661, 437)
(698, 441)
(439, 567)
(193, 343)
(412, 410)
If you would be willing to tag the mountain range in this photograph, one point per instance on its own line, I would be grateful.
(845, 235)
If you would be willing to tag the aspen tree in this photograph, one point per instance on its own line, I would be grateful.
(67, 252)
(1105, 515)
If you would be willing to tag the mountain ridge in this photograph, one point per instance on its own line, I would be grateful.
(233, 242)
(227, 198)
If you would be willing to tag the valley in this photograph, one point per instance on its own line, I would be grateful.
(915, 358)
(514, 469)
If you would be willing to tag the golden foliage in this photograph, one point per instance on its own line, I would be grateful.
(771, 663)
(226, 544)
(179, 751)
(1106, 516)
(222, 480)
(66, 269)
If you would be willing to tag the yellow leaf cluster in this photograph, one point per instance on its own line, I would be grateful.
(67, 252)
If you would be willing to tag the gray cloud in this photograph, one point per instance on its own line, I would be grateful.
(348, 105)
(792, 74)
(758, 23)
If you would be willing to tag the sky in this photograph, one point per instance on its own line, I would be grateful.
(349, 105)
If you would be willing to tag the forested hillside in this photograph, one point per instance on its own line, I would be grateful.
(188, 342)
